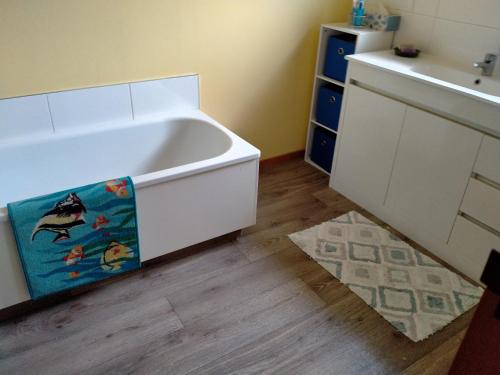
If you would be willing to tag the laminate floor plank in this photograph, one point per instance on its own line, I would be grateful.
(281, 347)
(241, 284)
(220, 332)
(100, 342)
(184, 273)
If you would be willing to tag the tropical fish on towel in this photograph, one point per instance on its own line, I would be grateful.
(118, 187)
(65, 215)
(100, 222)
(114, 256)
(74, 256)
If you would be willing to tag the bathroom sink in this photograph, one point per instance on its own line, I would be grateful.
(476, 82)
(436, 72)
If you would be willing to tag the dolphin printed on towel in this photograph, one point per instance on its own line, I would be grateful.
(77, 236)
(66, 214)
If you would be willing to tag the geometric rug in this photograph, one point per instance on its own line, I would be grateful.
(417, 295)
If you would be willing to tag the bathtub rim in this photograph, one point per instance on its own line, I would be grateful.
(239, 151)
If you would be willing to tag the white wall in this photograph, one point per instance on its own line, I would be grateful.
(462, 31)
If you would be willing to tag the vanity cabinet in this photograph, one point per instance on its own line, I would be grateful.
(430, 176)
(368, 146)
(413, 165)
(431, 171)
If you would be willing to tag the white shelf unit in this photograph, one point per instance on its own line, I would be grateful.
(366, 40)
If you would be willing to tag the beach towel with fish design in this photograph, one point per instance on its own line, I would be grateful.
(76, 237)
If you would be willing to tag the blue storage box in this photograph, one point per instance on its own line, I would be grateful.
(328, 105)
(322, 148)
(339, 46)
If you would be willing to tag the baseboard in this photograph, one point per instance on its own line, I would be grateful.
(271, 162)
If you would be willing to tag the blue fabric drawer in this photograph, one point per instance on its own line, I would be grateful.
(328, 105)
(339, 46)
(322, 148)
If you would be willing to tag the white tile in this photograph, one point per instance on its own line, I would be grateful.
(406, 5)
(415, 29)
(463, 43)
(426, 7)
(77, 108)
(477, 12)
(164, 94)
(24, 116)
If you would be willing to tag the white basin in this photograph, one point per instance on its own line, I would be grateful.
(476, 82)
(435, 71)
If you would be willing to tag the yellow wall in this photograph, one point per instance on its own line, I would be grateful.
(255, 57)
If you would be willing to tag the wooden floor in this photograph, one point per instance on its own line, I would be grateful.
(253, 305)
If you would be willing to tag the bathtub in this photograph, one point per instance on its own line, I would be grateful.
(195, 180)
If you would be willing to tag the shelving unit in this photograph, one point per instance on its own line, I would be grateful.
(365, 40)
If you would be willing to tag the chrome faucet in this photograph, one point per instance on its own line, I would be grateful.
(488, 65)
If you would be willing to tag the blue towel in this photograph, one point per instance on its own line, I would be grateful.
(76, 237)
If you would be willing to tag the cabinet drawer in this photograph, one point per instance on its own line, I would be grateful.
(482, 202)
(488, 162)
(470, 246)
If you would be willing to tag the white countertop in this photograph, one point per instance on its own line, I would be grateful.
(436, 72)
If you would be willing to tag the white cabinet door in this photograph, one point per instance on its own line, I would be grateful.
(432, 168)
(368, 141)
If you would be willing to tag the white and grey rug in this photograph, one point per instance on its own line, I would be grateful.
(417, 295)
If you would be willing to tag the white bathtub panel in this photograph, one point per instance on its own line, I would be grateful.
(86, 107)
(163, 95)
(13, 288)
(24, 116)
(190, 210)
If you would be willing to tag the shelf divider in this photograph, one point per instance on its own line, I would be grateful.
(330, 80)
(323, 126)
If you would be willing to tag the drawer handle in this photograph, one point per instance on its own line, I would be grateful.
(340, 51)
(323, 143)
(333, 99)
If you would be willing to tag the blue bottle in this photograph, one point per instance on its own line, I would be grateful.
(358, 13)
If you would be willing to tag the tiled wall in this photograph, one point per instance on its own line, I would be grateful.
(26, 116)
(460, 30)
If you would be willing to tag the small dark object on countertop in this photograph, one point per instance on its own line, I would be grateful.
(411, 54)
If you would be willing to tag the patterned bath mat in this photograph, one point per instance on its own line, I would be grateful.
(417, 295)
